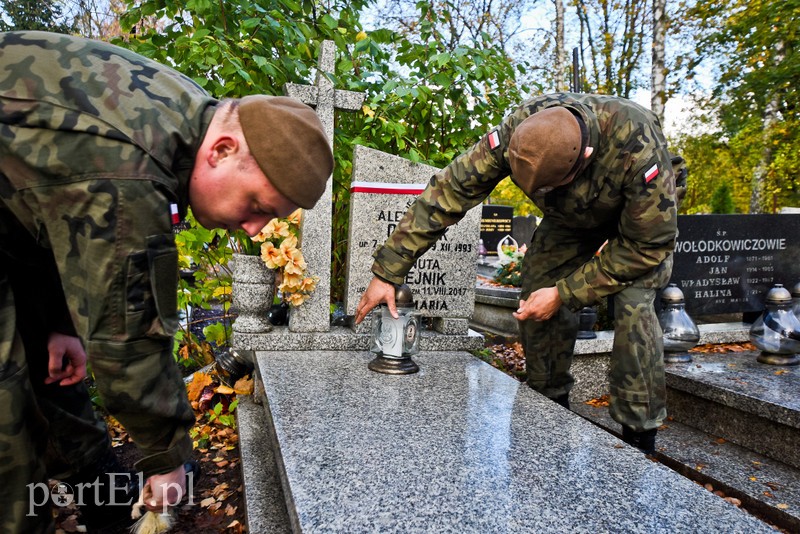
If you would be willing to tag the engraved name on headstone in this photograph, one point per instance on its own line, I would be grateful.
(727, 263)
(443, 279)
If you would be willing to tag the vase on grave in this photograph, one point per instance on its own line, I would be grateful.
(777, 331)
(395, 341)
(679, 330)
(252, 287)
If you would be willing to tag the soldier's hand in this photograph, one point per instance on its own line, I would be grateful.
(541, 305)
(378, 291)
(161, 491)
(67, 360)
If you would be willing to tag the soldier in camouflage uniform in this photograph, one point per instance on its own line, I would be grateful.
(598, 168)
(101, 151)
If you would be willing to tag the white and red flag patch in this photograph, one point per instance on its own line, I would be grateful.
(651, 173)
(494, 139)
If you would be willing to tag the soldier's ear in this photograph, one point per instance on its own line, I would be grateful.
(224, 146)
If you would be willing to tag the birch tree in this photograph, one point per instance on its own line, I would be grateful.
(658, 72)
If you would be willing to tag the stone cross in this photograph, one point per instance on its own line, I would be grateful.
(315, 229)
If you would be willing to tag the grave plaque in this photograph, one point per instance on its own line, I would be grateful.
(496, 223)
(383, 187)
(727, 263)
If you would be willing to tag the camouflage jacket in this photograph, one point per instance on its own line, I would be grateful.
(617, 189)
(95, 144)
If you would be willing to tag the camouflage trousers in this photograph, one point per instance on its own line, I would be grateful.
(636, 374)
(45, 430)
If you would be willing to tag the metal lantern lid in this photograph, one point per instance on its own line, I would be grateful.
(796, 290)
(672, 295)
(403, 296)
(779, 295)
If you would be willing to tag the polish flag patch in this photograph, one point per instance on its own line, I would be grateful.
(494, 139)
(651, 173)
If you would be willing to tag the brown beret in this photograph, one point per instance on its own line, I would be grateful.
(288, 142)
(545, 149)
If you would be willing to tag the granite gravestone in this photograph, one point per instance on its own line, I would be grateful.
(496, 223)
(727, 263)
(443, 279)
(315, 229)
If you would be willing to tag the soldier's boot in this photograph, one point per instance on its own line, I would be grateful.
(563, 400)
(645, 441)
(109, 492)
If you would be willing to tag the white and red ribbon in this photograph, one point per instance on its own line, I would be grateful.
(383, 188)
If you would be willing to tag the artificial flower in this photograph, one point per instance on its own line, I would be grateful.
(272, 256)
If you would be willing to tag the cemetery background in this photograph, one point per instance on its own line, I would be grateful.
(216, 47)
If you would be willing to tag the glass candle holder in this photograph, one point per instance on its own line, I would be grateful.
(796, 300)
(679, 330)
(395, 341)
(777, 331)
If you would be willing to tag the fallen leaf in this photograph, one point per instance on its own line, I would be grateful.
(781, 372)
(220, 488)
(734, 501)
(224, 390)
(709, 487)
(599, 402)
(244, 386)
(753, 479)
(782, 506)
(196, 386)
(769, 494)
(230, 510)
(205, 503)
(721, 440)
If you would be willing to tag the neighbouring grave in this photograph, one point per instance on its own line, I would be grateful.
(443, 279)
(496, 223)
(727, 263)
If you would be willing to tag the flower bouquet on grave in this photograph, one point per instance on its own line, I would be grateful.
(509, 273)
(278, 249)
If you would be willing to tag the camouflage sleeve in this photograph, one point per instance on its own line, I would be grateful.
(647, 229)
(118, 263)
(451, 193)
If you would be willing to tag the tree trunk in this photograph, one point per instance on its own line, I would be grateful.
(758, 182)
(658, 75)
(560, 67)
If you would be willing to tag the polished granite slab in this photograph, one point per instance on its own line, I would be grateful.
(738, 380)
(460, 447)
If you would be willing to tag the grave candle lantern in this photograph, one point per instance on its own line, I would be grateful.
(395, 340)
(233, 365)
(586, 319)
(680, 331)
(796, 300)
(777, 331)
